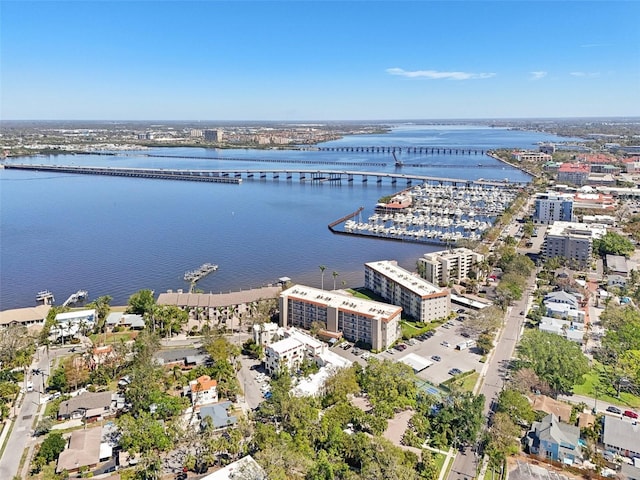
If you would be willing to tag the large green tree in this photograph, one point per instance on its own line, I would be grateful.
(613, 243)
(558, 361)
(142, 303)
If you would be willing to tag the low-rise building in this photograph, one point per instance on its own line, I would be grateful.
(243, 469)
(561, 296)
(360, 320)
(126, 320)
(455, 264)
(554, 440)
(265, 333)
(26, 317)
(83, 451)
(573, 331)
(419, 299)
(621, 435)
(531, 156)
(89, 406)
(217, 416)
(287, 353)
(203, 390)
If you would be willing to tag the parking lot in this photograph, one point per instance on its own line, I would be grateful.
(443, 345)
(436, 346)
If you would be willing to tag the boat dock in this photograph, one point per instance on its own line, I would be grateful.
(46, 297)
(74, 298)
(192, 276)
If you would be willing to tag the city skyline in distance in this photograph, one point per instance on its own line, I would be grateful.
(321, 61)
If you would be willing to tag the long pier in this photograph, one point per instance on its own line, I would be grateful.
(237, 176)
(405, 149)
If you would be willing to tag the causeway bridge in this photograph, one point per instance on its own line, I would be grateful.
(406, 149)
(236, 176)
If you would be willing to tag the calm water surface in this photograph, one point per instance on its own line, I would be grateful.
(114, 236)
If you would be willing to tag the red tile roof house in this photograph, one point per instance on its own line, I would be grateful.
(204, 390)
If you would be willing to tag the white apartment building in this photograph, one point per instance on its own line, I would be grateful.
(264, 333)
(374, 323)
(571, 240)
(530, 156)
(292, 350)
(419, 299)
(552, 207)
(441, 267)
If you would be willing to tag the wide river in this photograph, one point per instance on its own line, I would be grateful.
(115, 236)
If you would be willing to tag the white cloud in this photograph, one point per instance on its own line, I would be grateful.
(436, 75)
(538, 75)
(584, 74)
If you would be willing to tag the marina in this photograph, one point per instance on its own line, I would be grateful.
(433, 214)
(205, 269)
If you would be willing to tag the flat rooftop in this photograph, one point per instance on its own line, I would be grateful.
(403, 277)
(343, 301)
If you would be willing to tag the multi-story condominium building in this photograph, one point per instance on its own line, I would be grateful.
(373, 323)
(439, 268)
(571, 240)
(196, 133)
(552, 207)
(574, 173)
(213, 135)
(419, 299)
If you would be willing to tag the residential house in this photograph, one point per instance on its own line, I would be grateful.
(565, 312)
(244, 469)
(554, 440)
(562, 297)
(217, 415)
(88, 405)
(616, 281)
(203, 391)
(565, 328)
(618, 265)
(621, 435)
(126, 320)
(543, 403)
(83, 451)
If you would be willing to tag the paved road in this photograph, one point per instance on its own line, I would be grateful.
(24, 417)
(464, 465)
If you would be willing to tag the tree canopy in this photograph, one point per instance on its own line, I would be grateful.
(613, 243)
(558, 361)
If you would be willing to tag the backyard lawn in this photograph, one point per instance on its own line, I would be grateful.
(606, 392)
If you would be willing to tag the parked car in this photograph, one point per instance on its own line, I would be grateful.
(445, 344)
(612, 409)
(455, 371)
(436, 358)
(348, 346)
(630, 414)
(460, 310)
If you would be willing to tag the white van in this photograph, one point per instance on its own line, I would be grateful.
(29, 386)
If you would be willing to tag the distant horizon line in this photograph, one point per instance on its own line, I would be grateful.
(391, 120)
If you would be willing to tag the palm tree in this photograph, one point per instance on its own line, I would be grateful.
(335, 274)
(322, 269)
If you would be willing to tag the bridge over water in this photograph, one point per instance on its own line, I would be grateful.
(236, 176)
(406, 149)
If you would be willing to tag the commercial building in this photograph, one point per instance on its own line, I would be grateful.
(573, 173)
(530, 156)
(621, 435)
(360, 320)
(419, 299)
(439, 268)
(551, 207)
(572, 241)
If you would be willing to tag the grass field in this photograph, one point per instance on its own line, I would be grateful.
(606, 393)
(98, 338)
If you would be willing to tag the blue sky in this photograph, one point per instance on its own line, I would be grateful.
(318, 60)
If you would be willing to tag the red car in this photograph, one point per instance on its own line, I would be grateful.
(630, 414)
